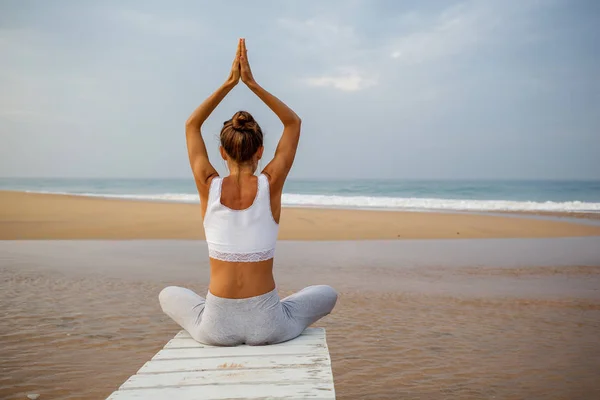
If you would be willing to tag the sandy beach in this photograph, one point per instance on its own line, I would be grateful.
(45, 216)
(464, 306)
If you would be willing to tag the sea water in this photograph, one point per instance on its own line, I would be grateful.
(416, 195)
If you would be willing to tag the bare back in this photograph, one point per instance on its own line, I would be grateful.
(242, 279)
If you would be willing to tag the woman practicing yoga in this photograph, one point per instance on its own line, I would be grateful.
(241, 221)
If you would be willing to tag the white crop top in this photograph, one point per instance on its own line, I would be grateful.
(247, 235)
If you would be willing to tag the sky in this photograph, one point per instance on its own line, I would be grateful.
(385, 89)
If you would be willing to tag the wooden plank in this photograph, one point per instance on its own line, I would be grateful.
(239, 351)
(248, 362)
(185, 369)
(309, 374)
(275, 391)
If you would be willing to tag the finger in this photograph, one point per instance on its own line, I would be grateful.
(244, 50)
(238, 51)
(244, 58)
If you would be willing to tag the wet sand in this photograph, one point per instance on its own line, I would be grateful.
(427, 319)
(41, 216)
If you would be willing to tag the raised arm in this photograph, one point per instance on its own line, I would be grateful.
(201, 167)
(280, 166)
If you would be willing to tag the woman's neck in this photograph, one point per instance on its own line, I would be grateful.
(242, 172)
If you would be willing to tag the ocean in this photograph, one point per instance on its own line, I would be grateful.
(414, 195)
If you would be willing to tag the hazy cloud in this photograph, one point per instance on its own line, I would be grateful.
(159, 24)
(387, 89)
(347, 79)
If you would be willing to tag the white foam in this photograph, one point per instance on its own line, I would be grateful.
(400, 203)
(163, 197)
(392, 203)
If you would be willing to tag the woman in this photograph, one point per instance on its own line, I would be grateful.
(241, 221)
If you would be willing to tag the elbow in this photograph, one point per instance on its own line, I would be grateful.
(191, 125)
(293, 121)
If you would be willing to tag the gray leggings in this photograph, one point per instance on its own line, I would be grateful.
(258, 320)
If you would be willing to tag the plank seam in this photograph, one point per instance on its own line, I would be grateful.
(289, 366)
(321, 353)
(276, 383)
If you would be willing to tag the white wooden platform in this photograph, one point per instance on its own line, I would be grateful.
(185, 369)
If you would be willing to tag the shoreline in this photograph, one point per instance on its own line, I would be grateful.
(26, 215)
(593, 215)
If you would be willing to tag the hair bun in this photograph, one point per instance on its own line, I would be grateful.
(241, 137)
(242, 121)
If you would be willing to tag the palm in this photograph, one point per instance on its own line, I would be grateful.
(234, 74)
(245, 70)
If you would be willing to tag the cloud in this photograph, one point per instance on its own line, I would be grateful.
(347, 80)
(482, 72)
(317, 32)
(330, 47)
(457, 30)
(413, 39)
(161, 25)
(450, 33)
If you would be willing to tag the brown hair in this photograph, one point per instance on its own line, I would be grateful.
(241, 137)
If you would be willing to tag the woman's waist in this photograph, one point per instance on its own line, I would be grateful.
(241, 279)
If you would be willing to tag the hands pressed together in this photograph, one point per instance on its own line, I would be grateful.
(241, 68)
(280, 166)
